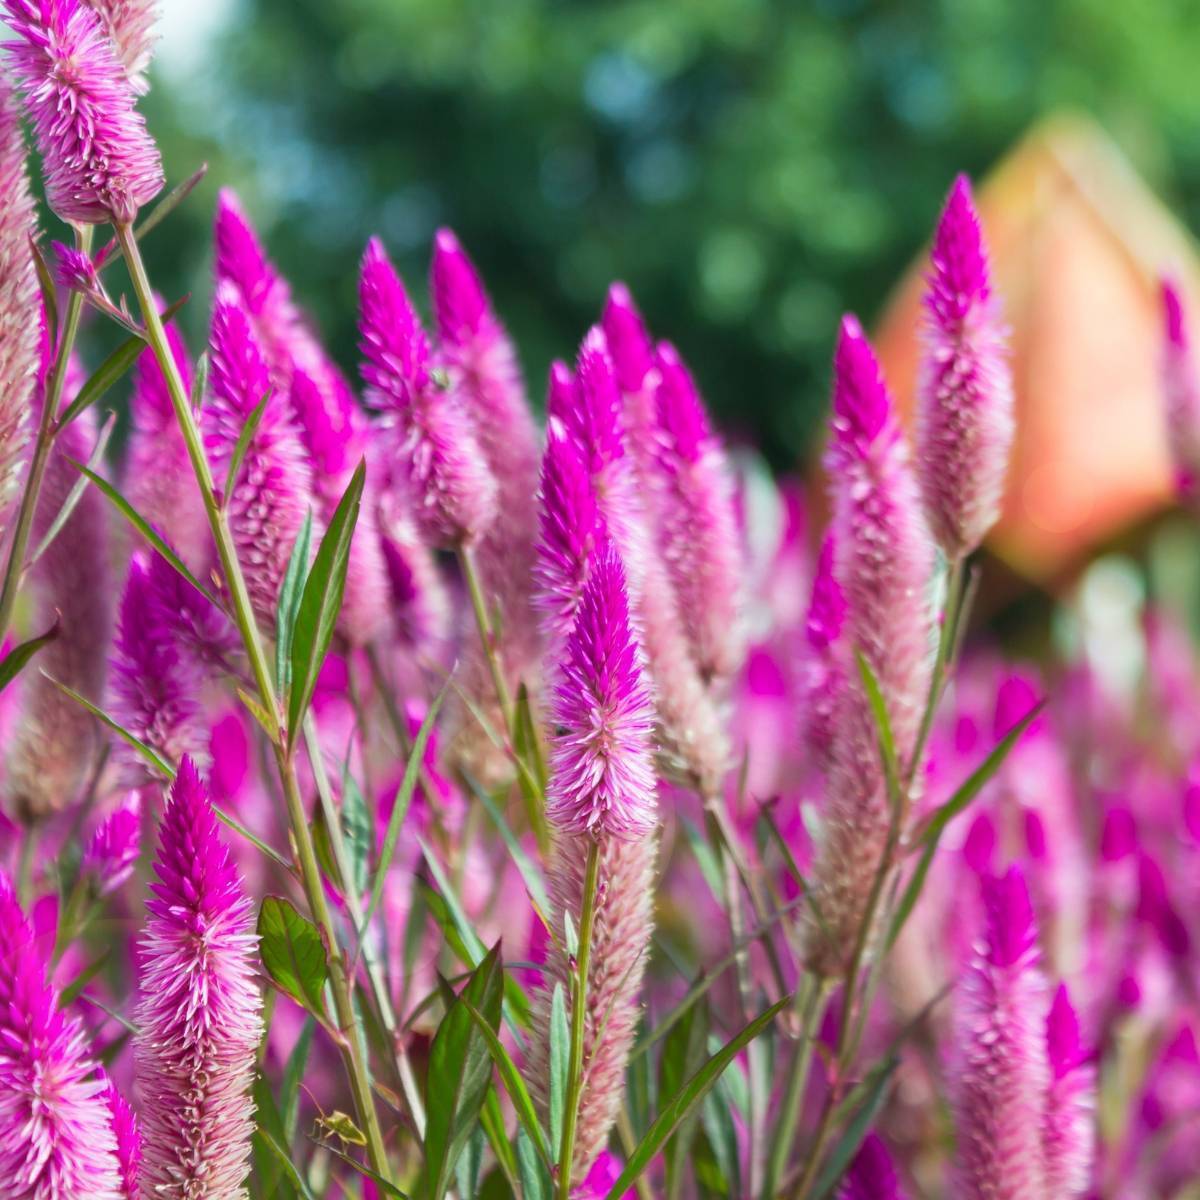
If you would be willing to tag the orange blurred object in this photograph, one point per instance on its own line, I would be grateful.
(1078, 243)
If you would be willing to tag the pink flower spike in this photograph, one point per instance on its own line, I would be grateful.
(965, 411)
(629, 341)
(872, 1174)
(1002, 1072)
(129, 1141)
(698, 530)
(113, 850)
(451, 489)
(1181, 390)
(131, 26)
(461, 305)
(99, 162)
(56, 1127)
(825, 671)
(199, 1009)
(602, 763)
(76, 271)
(1069, 1136)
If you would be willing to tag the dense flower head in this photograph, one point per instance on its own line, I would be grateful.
(460, 303)
(129, 1141)
(131, 26)
(199, 1009)
(241, 262)
(1181, 388)
(1069, 1138)
(273, 491)
(629, 341)
(451, 488)
(602, 778)
(824, 674)
(76, 272)
(98, 160)
(698, 529)
(965, 415)
(872, 1174)
(113, 849)
(56, 1128)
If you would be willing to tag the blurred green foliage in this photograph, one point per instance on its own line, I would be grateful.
(749, 168)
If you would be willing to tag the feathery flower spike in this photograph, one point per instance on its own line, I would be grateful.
(129, 1141)
(75, 270)
(1069, 1136)
(451, 488)
(113, 850)
(199, 1009)
(965, 414)
(697, 525)
(632, 351)
(872, 1174)
(824, 668)
(1002, 1070)
(273, 491)
(131, 26)
(56, 1128)
(19, 341)
(883, 561)
(1181, 391)
(99, 162)
(602, 779)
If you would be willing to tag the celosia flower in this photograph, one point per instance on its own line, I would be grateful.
(113, 850)
(965, 417)
(1002, 1071)
(622, 927)
(451, 488)
(76, 271)
(1181, 390)
(602, 766)
(632, 352)
(697, 526)
(131, 26)
(419, 605)
(824, 668)
(56, 1127)
(155, 690)
(273, 491)
(129, 1141)
(1069, 1135)
(199, 1009)
(98, 161)
(872, 1174)
(18, 298)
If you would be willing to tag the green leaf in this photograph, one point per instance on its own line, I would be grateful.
(408, 784)
(388, 1189)
(293, 1073)
(143, 526)
(535, 1179)
(249, 429)
(883, 726)
(491, 1118)
(49, 291)
(76, 986)
(721, 1133)
(170, 202)
(253, 839)
(929, 837)
(356, 825)
(321, 601)
(693, 1091)
(18, 656)
(113, 368)
(459, 1076)
(560, 1055)
(148, 753)
(847, 1145)
(289, 602)
(683, 1053)
(530, 874)
(470, 1165)
(292, 953)
(199, 383)
(281, 1155)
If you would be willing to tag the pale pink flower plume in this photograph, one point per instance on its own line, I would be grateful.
(824, 668)
(131, 26)
(1070, 1133)
(129, 1141)
(112, 852)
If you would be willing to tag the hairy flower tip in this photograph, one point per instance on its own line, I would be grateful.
(98, 160)
(824, 673)
(154, 688)
(56, 1127)
(113, 850)
(19, 335)
(199, 1012)
(628, 339)
(274, 488)
(872, 1174)
(241, 262)
(602, 764)
(75, 271)
(698, 529)
(965, 412)
(130, 24)
(570, 526)
(1069, 1137)
(129, 1141)
(419, 605)
(622, 927)
(450, 486)
(1181, 390)
(1002, 1069)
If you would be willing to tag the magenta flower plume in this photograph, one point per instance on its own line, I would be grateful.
(129, 1141)
(154, 688)
(56, 1127)
(19, 339)
(273, 491)
(1002, 1070)
(1181, 390)
(824, 675)
(113, 850)
(602, 763)
(199, 1009)
(75, 271)
(98, 160)
(416, 594)
(872, 1174)
(444, 472)
(698, 533)
(130, 24)
(1069, 1136)
(965, 415)
(632, 351)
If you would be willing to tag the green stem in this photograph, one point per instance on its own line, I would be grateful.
(348, 1041)
(44, 443)
(578, 1021)
(479, 607)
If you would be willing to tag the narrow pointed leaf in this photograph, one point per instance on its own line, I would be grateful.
(847, 1146)
(249, 429)
(112, 369)
(13, 662)
(293, 1073)
(560, 1053)
(49, 291)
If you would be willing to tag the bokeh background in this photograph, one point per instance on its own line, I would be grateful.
(751, 169)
